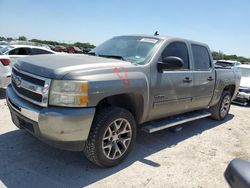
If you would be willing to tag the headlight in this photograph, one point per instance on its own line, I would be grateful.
(69, 93)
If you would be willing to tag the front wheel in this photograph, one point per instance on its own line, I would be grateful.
(111, 138)
(221, 109)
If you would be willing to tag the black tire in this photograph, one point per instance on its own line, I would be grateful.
(94, 149)
(216, 110)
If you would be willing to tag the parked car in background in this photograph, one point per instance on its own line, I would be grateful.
(86, 50)
(1, 46)
(243, 96)
(60, 49)
(74, 50)
(51, 47)
(226, 63)
(18, 51)
(5, 70)
(3, 42)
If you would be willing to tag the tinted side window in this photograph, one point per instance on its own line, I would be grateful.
(20, 51)
(201, 58)
(36, 51)
(13, 52)
(177, 49)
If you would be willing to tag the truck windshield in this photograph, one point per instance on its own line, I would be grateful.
(245, 72)
(134, 49)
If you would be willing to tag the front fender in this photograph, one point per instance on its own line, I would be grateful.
(108, 85)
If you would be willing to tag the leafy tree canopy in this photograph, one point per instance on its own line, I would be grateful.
(52, 43)
(220, 55)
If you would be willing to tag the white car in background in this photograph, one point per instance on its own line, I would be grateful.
(17, 51)
(5, 71)
(9, 55)
(243, 96)
(3, 44)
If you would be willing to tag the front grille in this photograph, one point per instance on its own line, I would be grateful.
(31, 87)
(31, 95)
(29, 78)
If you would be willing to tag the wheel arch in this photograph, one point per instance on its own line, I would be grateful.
(231, 89)
(219, 90)
(133, 102)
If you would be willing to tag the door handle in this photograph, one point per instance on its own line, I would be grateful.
(187, 80)
(210, 78)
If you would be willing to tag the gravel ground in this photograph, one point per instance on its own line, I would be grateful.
(194, 157)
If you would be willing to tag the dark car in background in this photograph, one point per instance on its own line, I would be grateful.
(86, 50)
(60, 49)
(74, 50)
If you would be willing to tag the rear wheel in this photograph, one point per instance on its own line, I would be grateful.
(111, 138)
(221, 109)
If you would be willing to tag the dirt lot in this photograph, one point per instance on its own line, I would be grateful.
(195, 157)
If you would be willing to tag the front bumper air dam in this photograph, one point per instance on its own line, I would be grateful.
(65, 128)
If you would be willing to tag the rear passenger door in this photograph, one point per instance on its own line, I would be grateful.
(204, 76)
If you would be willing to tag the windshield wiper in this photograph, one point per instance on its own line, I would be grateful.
(113, 56)
(108, 56)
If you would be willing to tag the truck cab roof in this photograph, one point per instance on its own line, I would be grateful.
(168, 37)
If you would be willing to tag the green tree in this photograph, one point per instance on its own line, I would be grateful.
(2, 38)
(84, 45)
(218, 55)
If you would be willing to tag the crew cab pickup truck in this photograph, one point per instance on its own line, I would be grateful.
(94, 103)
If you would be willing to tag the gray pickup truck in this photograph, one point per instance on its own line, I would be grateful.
(94, 103)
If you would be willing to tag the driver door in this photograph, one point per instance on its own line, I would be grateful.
(172, 89)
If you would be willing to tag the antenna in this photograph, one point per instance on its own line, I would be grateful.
(156, 33)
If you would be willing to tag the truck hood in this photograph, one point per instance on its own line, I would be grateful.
(58, 65)
(245, 82)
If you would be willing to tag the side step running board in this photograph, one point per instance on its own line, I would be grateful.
(158, 125)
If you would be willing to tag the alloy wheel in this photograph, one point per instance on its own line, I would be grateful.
(225, 106)
(117, 138)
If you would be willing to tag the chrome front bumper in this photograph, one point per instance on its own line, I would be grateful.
(65, 128)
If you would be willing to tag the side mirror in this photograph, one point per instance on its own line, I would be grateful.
(170, 62)
(237, 173)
